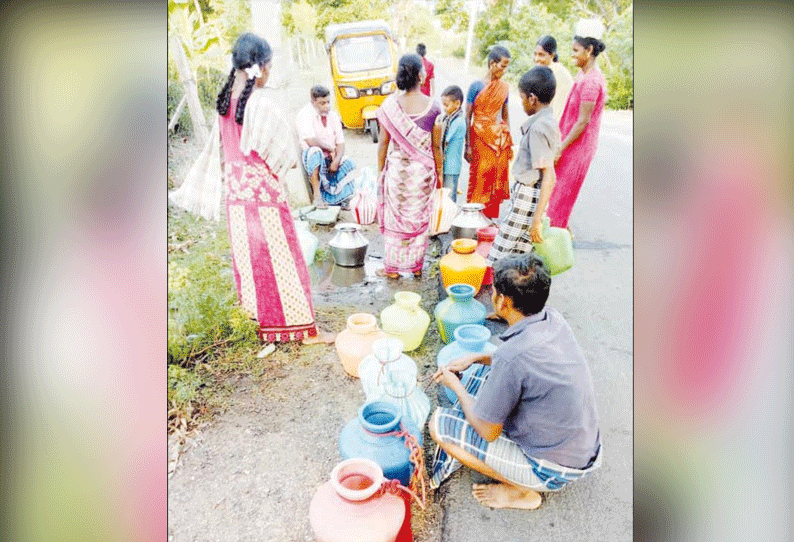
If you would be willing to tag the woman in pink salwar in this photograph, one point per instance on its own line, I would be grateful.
(269, 270)
(580, 122)
(409, 168)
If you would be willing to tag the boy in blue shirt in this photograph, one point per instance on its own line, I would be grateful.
(452, 137)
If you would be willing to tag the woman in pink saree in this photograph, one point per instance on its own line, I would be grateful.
(580, 123)
(409, 167)
(269, 270)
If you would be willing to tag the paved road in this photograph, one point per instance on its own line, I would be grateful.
(595, 296)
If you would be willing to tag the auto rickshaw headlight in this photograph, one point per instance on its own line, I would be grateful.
(387, 87)
(348, 92)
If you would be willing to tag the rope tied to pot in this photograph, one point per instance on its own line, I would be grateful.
(416, 458)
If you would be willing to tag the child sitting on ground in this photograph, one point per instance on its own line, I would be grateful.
(452, 136)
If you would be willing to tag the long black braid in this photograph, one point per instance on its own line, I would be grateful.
(225, 96)
(249, 88)
(248, 50)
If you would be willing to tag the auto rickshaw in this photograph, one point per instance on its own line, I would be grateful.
(363, 58)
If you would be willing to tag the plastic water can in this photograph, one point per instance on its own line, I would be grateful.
(372, 434)
(463, 265)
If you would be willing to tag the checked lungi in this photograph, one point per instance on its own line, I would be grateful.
(513, 235)
(335, 188)
(502, 455)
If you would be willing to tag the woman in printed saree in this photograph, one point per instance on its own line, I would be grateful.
(409, 169)
(488, 141)
(269, 270)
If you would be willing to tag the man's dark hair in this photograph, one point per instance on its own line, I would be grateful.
(319, 91)
(525, 279)
(539, 81)
(454, 92)
(421, 50)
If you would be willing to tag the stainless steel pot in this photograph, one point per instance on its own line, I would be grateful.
(348, 246)
(469, 220)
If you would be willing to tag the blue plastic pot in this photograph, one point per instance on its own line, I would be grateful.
(367, 436)
(469, 339)
(458, 309)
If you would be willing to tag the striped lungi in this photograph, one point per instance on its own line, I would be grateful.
(335, 188)
(502, 455)
(514, 230)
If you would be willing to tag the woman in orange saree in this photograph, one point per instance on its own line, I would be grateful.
(488, 141)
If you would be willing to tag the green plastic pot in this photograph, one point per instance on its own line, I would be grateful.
(556, 250)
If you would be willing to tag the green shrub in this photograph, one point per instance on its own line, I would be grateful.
(203, 315)
(208, 84)
(620, 91)
(184, 125)
(459, 52)
(183, 385)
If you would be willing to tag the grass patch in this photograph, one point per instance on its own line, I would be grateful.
(208, 332)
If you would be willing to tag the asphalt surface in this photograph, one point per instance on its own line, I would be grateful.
(595, 296)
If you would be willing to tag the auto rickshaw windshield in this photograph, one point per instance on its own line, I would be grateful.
(363, 53)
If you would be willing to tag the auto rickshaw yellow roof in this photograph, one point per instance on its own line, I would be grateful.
(333, 31)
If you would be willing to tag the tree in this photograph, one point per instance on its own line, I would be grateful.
(418, 28)
(492, 27)
(452, 14)
(620, 51)
(305, 17)
(528, 24)
(606, 10)
(520, 30)
(334, 11)
(200, 38)
(560, 8)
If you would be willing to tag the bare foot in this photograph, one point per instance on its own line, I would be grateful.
(322, 337)
(418, 274)
(495, 317)
(506, 496)
(383, 273)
